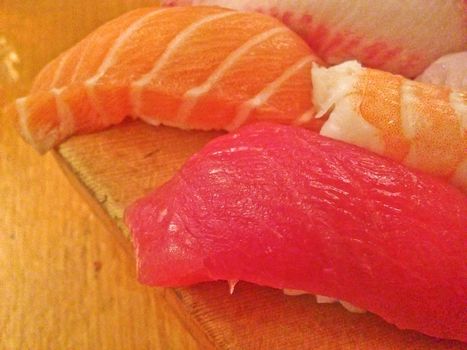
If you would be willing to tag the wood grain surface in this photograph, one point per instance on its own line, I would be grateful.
(64, 282)
(111, 172)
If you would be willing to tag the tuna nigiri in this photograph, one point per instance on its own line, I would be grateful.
(284, 207)
(420, 125)
(449, 70)
(402, 37)
(172, 66)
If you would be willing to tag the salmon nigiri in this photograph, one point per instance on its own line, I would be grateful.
(402, 37)
(201, 68)
(316, 215)
(420, 125)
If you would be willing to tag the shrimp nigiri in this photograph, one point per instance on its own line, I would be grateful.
(420, 125)
(194, 68)
(402, 37)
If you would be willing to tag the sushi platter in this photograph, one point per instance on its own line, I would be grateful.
(272, 167)
(252, 316)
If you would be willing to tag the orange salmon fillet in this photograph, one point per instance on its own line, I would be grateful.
(193, 68)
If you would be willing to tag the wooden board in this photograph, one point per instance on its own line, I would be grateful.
(64, 284)
(114, 167)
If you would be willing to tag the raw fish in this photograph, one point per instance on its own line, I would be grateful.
(194, 68)
(449, 70)
(420, 125)
(284, 207)
(402, 37)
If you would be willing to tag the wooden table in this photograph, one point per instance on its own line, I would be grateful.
(64, 284)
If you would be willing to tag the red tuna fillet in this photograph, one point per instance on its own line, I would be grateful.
(284, 207)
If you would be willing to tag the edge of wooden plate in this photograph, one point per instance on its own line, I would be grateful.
(171, 296)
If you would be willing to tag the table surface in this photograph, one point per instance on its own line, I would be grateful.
(64, 284)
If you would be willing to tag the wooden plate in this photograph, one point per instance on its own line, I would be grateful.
(114, 167)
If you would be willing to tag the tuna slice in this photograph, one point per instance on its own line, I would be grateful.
(284, 207)
(398, 36)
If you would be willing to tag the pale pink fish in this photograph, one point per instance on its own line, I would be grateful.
(449, 70)
(401, 37)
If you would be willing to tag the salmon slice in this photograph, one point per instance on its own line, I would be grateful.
(402, 37)
(449, 70)
(317, 215)
(420, 125)
(194, 68)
